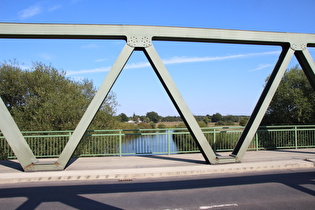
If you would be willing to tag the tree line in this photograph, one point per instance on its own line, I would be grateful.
(43, 98)
(154, 117)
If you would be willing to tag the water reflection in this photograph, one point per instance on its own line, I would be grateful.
(141, 144)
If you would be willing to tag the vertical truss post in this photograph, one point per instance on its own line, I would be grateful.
(15, 138)
(180, 104)
(262, 104)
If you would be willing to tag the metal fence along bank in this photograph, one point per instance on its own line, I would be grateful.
(161, 141)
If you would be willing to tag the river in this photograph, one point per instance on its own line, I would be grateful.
(160, 143)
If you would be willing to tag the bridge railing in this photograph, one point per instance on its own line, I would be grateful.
(161, 141)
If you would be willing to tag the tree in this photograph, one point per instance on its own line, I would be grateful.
(42, 98)
(293, 102)
(144, 119)
(171, 119)
(243, 121)
(153, 116)
(123, 117)
(207, 119)
(216, 117)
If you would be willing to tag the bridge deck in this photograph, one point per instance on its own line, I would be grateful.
(130, 167)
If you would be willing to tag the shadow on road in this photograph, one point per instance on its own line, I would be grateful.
(71, 195)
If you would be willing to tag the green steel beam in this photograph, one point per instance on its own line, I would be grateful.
(81, 31)
(15, 138)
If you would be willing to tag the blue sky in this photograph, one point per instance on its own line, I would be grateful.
(212, 78)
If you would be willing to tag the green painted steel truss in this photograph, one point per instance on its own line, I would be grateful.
(140, 38)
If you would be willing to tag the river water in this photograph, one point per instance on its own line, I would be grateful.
(149, 144)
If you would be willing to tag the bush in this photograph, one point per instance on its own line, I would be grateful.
(161, 125)
(144, 126)
(223, 123)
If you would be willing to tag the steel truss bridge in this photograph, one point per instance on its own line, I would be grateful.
(139, 38)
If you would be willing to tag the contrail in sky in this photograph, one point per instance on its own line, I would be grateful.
(174, 60)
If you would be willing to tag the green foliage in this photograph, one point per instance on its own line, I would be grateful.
(202, 124)
(294, 100)
(223, 123)
(144, 119)
(207, 119)
(202, 120)
(230, 118)
(243, 121)
(153, 116)
(181, 125)
(161, 126)
(153, 125)
(123, 117)
(43, 98)
(127, 126)
(144, 126)
(171, 119)
(216, 117)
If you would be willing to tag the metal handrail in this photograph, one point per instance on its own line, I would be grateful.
(161, 141)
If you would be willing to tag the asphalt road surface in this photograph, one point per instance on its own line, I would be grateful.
(287, 189)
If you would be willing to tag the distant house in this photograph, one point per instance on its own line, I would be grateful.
(132, 121)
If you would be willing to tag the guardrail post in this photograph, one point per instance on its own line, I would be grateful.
(169, 141)
(214, 141)
(120, 143)
(295, 137)
(256, 141)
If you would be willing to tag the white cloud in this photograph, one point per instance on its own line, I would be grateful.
(137, 65)
(88, 71)
(24, 67)
(30, 11)
(38, 8)
(176, 60)
(261, 66)
(46, 56)
(179, 60)
(54, 7)
(101, 60)
(90, 46)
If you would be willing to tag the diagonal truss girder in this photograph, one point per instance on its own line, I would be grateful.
(140, 38)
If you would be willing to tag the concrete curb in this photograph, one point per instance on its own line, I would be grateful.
(133, 173)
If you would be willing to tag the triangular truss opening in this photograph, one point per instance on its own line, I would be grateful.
(139, 91)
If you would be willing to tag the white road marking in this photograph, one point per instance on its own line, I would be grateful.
(210, 207)
(218, 206)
